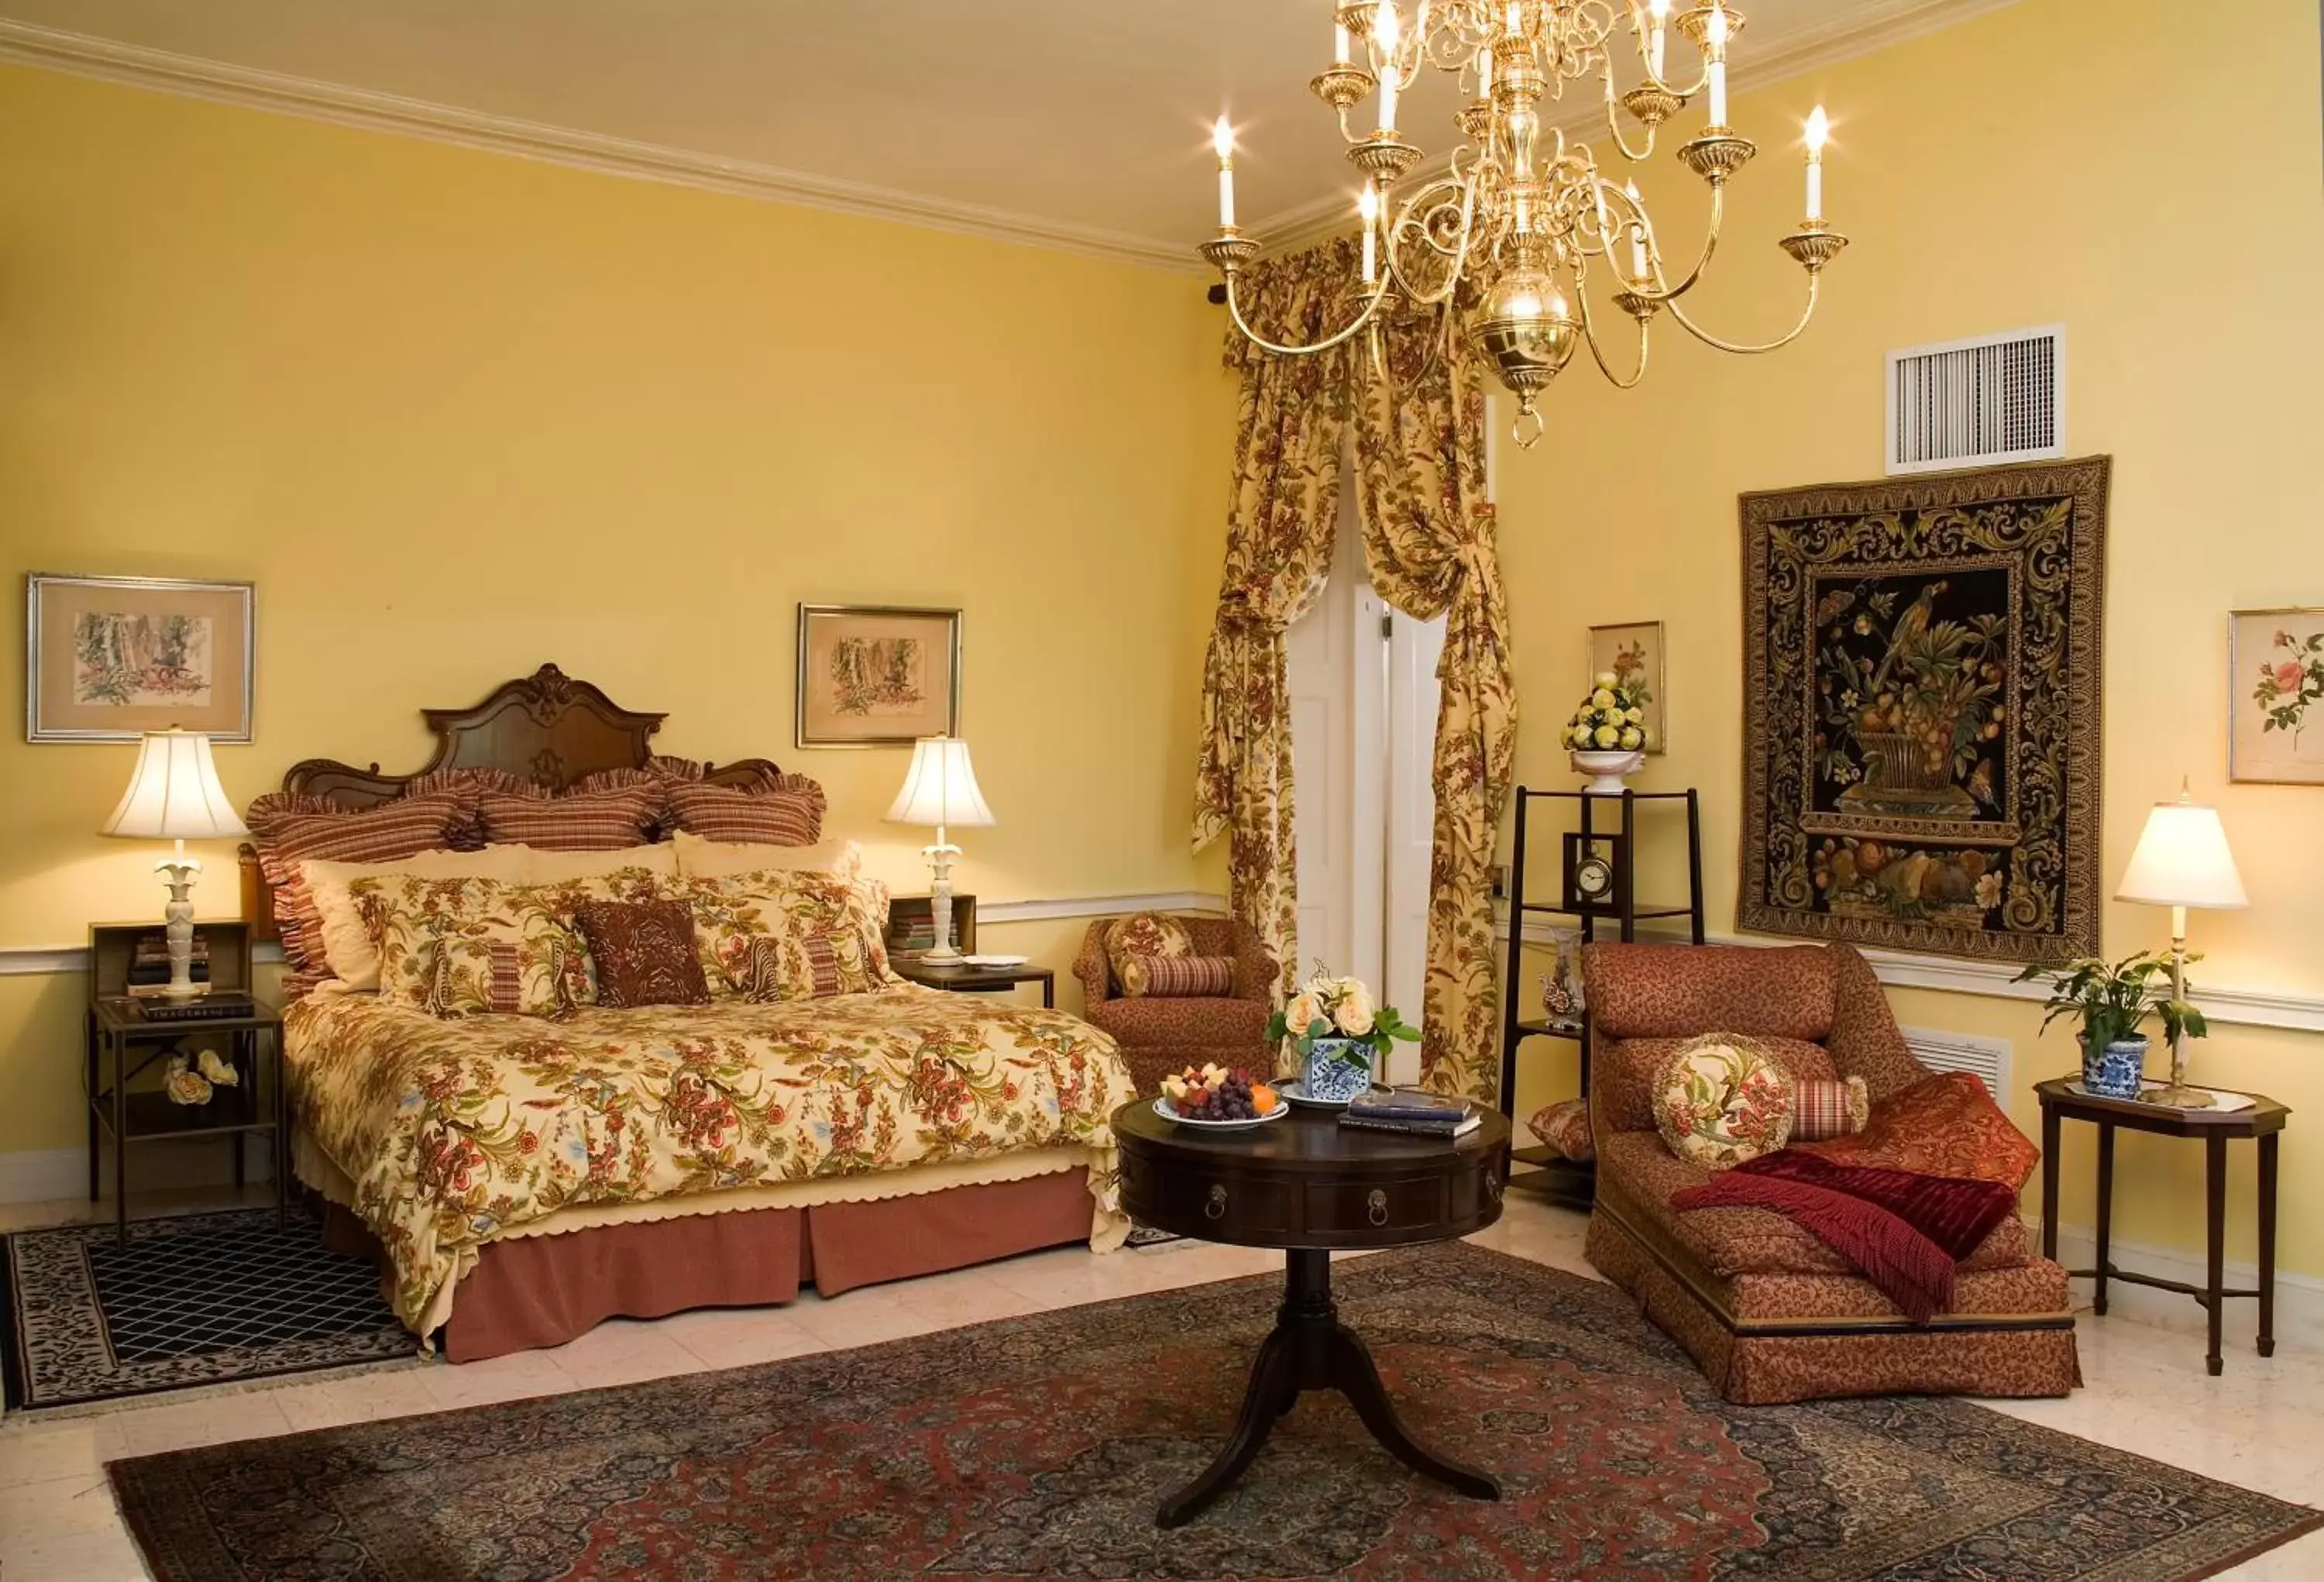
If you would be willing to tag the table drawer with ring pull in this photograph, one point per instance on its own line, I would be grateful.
(1404, 1203)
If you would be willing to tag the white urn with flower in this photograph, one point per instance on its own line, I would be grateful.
(1607, 735)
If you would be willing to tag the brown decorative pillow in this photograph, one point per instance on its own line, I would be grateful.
(1178, 978)
(599, 820)
(1149, 934)
(645, 953)
(789, 815)
(1566, 1126)
(1822, 1109)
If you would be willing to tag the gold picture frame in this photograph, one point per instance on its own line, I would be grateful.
(2275, 696)
(1637, 645)
(877, 675)
(108, 658)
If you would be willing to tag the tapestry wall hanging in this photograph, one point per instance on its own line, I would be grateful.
(1922, 711)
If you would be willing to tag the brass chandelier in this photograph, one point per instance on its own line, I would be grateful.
(1523, 210)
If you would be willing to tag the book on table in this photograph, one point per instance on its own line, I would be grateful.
(1460, 1128)
(1401, 1105)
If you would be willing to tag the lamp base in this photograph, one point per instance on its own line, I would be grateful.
(178, 925)
(2176, 1097)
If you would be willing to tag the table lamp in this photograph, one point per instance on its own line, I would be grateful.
(2182, 860)
(940, 789)
(174, 794)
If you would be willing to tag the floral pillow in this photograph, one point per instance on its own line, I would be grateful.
(1566, 1126)
(1148, 934)
(1721, 1099)
(485, 946)
(787, 935)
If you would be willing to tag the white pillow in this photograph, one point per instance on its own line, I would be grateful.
(716, 859)
(544, 866)
(347, 945)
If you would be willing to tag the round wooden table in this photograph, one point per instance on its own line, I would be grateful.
(1306, 1185)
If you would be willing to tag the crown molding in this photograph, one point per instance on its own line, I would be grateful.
(218, 82)
(1859, 30)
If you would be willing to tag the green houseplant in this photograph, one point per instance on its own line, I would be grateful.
(2112, 1002)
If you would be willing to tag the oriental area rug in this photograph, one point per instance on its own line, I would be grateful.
(1039, 1447)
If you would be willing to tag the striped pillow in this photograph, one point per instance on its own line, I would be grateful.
(1822, 1109)
(287, 835)
(598, 820)
(1178, 978)
(789, 815)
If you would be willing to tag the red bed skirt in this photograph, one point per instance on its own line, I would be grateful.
(533, 1291)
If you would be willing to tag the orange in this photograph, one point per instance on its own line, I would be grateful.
(1262, 1098)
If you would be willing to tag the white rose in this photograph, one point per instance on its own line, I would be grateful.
(1606, 736)
(1635, 716)
(1355, 1017)
(1645, 735)
(1301, 1013)
(1632, 740)
(1601, 698)
(1605, 678)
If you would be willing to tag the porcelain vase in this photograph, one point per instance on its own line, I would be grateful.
(1339, 1070)
(2114, 1071)
(1608, 770)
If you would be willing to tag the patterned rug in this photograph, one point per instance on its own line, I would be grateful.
(1038, 1448)
(200, 1299)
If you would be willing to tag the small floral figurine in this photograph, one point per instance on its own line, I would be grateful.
(1341, 1037)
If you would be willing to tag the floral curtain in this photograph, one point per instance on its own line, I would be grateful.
(1292, 419)
(1429, 545)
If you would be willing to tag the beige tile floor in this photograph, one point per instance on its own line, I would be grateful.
(2146, 1388)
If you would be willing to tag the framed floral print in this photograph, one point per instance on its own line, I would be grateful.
(2276, 697)
(877, 675)
(1922, 711)
(1634, 653)
(109, 657)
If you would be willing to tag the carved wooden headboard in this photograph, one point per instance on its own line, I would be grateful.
(547, 728)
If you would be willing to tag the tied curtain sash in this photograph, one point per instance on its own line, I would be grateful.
(1908, 1231)
(1430, 549)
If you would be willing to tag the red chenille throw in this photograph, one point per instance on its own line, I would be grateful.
(1905, 1231)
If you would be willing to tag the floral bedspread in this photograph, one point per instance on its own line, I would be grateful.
(454, 1130)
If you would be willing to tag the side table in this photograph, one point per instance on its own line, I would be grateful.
(1306, 1185)
(960, 977)
(117, 1029)
(2062, 1100)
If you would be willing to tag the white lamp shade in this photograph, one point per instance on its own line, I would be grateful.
(940, 788)
(2182, 860)
(174, 794)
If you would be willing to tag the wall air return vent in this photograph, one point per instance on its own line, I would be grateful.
(1977, 403)
(1984, 1058)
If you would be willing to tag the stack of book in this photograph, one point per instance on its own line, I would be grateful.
(149, 962)
(1424, 1115)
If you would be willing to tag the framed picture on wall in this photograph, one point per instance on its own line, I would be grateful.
(877, 675)
(2276, 697)
(1634, 651)
(108, 658)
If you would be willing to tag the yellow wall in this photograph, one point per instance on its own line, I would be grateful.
(2150, 178)
(456, 414)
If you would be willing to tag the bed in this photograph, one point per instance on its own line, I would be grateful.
(523, 1179)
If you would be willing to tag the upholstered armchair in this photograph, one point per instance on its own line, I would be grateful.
(1157, 1035)
(1770, 1312)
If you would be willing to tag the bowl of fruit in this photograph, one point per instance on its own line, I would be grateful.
(1218, 1098)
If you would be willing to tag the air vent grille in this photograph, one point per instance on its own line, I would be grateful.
(1986, 1058)
(1977, 403)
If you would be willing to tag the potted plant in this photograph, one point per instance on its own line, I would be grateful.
(1341, 1038)
(1608, 734)
(2112, 1002)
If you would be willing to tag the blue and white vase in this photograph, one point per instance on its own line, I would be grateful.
(2113, 1072)
(1339, 1070)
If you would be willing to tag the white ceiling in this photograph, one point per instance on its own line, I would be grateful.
(1085, 116)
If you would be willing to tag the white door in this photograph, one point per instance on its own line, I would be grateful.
(1412, 649)
(1334, 729)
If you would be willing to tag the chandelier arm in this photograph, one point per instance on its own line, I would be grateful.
(1655, 78)
(1404, 221)
(1672, 294)
(1815, 282)
(1614, 128)
(1234, 312)
(1590, 334)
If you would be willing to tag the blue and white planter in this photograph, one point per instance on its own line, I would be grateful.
(2114, 1071)
(1339, 1070)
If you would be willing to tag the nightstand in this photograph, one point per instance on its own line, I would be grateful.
(129, 1034)
(961, 978)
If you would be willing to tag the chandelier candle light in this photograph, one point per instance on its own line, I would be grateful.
(1523, 209)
